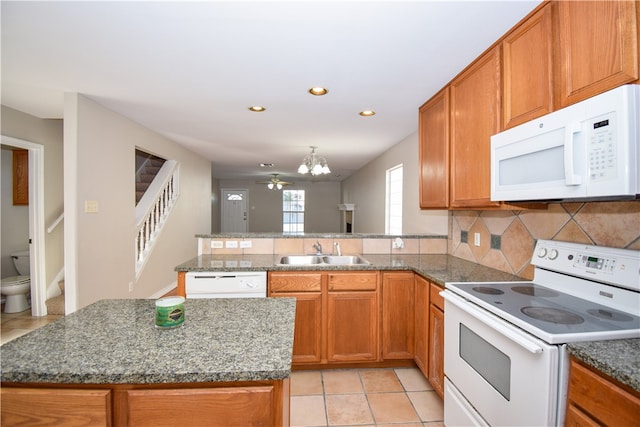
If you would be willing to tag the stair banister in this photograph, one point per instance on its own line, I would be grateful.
(153, 208)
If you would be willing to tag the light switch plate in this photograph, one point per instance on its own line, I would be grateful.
(216, 244)
(245, 243)
(90, 206)
(231, 244)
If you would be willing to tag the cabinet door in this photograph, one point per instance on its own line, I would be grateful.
(433, 132)
(20, 177)
(308, 335)
(598, 47)
(436, 340)
(528, 66)
(421, 328)
(397, 315)
(475, 116)
(352, 326)
(51, 406)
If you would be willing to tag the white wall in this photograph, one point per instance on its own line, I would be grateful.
(100, 166)
(48, 133)
(366, 189)
(265, 206)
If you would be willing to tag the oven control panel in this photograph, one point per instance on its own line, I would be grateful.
(615, 266)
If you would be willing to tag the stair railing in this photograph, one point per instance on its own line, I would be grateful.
(153, 210)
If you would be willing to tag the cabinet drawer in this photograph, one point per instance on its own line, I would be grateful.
(601, 399)
(435, 297)
(53, 406)
(353, 281)
(297, 282)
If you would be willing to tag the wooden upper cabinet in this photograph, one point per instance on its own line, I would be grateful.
(20, 177)
(598, 47)
(527, 69)
(475, 116)
(433, 131)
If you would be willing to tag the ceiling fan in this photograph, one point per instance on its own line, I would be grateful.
(275, 183)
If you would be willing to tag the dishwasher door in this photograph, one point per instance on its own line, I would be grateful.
(228, 284)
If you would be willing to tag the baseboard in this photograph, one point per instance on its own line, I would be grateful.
(162, 292)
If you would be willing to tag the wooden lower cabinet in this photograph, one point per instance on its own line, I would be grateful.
(421, 324)
(594, 399)
(398, 315)
(336, 314)
(261, 403)
(306, 288)
(436, 340)
(352, 331)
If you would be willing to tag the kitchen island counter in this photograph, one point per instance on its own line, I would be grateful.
(117, 342)
(107, 364)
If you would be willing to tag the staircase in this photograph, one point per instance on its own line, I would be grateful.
(55, 305)
(147, 167)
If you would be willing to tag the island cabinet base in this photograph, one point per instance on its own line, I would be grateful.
(260, 403)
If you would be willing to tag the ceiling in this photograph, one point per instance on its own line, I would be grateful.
(190, 70)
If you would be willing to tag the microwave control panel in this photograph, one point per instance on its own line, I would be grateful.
(601, 149)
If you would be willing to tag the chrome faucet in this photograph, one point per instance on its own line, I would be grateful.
(337, 245)
(318, 247)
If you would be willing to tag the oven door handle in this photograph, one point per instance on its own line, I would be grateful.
(488, 320)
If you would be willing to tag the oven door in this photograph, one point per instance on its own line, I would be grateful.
(496, 371)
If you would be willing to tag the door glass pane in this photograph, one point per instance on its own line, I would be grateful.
(492, 364)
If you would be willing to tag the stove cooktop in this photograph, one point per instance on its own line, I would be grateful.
(551, 315)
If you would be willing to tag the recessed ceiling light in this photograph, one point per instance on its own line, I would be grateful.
(266, 165)
(318, 91)
(257, 108)
(367, 113)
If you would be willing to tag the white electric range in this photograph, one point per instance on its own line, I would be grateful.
(506, 361)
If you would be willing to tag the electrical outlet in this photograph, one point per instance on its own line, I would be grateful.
(476, 239)
(216, 244)
(91, 206)
(231, 244)
(245, 243)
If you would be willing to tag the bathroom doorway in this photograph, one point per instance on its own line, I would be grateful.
(36, 222)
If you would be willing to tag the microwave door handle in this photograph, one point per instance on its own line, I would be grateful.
(471, 309)
(571, 133)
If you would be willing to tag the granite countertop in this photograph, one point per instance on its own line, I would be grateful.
(620, 359)
(437, 268)
(116, 342)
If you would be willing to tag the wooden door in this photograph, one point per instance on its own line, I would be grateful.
(598, 47)
(433, 132)
(421, 328)
(527, 69)
(397, 315)
(475, 116)
(20, 177)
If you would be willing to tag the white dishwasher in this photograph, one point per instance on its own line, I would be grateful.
(226, 284)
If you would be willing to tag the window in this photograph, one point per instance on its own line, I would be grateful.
(293, 211)
(393, 210)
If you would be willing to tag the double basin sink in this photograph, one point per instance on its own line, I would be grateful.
(320, 260)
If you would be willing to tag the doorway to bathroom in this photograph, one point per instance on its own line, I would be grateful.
(36, 227)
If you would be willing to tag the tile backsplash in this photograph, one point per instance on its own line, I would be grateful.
(507, 238)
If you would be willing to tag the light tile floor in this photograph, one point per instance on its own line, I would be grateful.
(399, 397)
(14, 325)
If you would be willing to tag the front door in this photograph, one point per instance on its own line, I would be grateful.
(234, 211)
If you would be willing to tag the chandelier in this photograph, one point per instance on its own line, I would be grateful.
(314, 164)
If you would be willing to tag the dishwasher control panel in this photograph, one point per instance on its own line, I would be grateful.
(226, 284)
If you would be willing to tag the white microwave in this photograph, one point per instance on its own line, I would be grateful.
(586, 151)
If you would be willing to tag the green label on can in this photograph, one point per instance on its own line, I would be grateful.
(169, 313)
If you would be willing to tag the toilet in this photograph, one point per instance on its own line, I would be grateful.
(16, 288)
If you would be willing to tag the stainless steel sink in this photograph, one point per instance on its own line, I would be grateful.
(344, 260)
(300, 260)
(320, 260)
